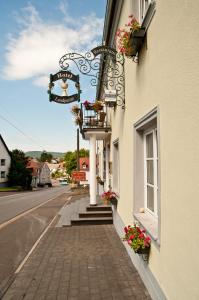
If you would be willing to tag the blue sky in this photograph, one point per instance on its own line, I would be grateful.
(34, 35)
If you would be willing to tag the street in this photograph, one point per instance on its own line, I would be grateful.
(11, 206)
(18, 236)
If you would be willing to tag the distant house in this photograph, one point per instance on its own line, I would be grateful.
(57, 167)
(84, 163)
(84, 166)
(5, 160)
(40, 173)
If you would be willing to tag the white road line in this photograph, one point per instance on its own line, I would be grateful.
(34, 246)
(24, 213)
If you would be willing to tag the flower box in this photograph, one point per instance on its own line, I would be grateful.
(138, 240)
(136, 41)
(143, 251)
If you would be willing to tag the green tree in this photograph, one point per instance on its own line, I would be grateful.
(83, 152)
(45, 156)
(70, 159)
(19, 175)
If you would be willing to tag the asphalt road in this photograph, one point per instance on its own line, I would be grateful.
(13, 205)
(18, 237)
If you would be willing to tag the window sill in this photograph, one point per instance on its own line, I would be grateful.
(149, 223)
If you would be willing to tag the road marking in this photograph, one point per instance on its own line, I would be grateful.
(37, 242)
(34, 246)
(24, 213)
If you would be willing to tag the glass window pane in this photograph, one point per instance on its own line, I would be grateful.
(149, 145)
(150, 178)
(150, 198)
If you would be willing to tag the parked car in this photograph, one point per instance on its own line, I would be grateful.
(63, 181)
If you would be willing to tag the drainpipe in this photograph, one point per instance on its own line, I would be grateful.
(93, 170)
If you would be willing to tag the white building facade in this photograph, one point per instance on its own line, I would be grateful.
(5, 161)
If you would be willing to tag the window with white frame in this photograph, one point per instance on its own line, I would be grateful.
(146, 181)
(150, 171)
(116, 166)
(144, 5)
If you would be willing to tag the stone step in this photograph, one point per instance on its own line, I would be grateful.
(95, 214)
(99, 208)
(92, 221)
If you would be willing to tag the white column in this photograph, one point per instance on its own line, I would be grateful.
(93, 170)
(107, 167)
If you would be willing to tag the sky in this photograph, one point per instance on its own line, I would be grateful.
(34, 36)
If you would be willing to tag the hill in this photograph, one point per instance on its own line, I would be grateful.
(37, 154)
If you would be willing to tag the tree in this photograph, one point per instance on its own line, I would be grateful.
(45, 156)
(83, 152)
(19, 175)
(70, 159)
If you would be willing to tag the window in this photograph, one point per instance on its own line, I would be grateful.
(3, 174)
(150, 171)
(144, 5)
(3, 162)
(116, 166)
(146, 181)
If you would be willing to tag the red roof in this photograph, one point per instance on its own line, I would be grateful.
(34, 166)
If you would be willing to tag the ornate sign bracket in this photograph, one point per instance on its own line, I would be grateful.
(104, 65)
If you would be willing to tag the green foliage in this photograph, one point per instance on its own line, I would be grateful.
(136, 238)
(70, 159)
(45, 156)
(83, 152)
(18, 173)
(56, 174)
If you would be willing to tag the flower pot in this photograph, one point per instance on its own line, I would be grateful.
(113, 201)
(143, 251)
(136, 41)
(88, 107)
(105, 201)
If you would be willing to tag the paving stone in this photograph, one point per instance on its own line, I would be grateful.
(76, 263)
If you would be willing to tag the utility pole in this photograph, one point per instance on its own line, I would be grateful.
(78, 149)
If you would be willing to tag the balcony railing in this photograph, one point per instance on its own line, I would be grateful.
(95, 119)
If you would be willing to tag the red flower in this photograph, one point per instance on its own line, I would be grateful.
(125, 229)
(141, 235)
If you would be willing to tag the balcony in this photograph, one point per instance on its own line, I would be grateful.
(95, 122)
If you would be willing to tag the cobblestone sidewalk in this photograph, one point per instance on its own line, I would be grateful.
(78, 263)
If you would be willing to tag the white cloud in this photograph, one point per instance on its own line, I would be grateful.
(42, 81)
(36, 50)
